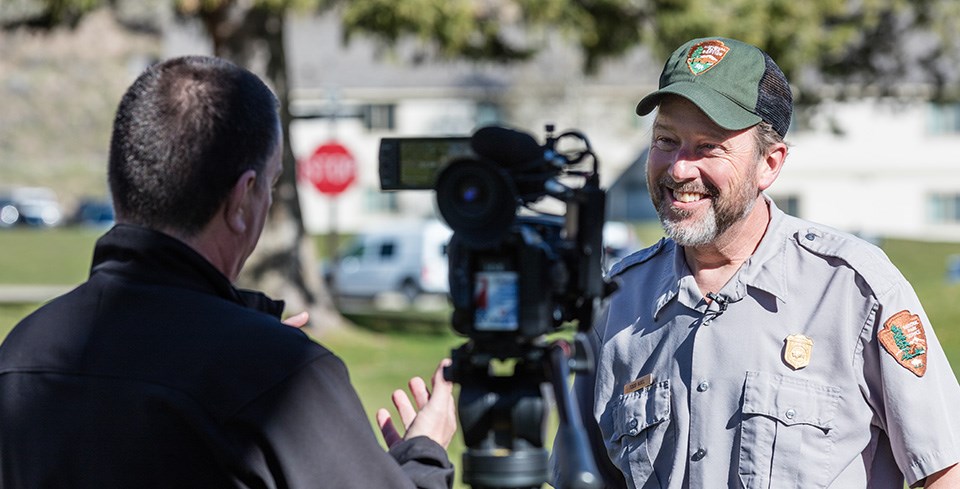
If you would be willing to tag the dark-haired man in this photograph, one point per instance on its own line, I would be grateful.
(157, 372)
(751, 348)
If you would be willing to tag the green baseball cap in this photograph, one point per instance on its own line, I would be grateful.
(734, 83)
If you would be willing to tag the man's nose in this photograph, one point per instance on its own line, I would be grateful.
(684, 167)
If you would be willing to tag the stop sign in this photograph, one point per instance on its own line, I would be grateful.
(331, 168)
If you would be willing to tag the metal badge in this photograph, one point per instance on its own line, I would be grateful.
(797, 351)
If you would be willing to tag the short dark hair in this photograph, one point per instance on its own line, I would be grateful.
(764, 137)
(184, 133)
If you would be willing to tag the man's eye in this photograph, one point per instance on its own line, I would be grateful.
(664, 143)
(709, 148)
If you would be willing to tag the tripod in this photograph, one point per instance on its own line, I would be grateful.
(503, 417)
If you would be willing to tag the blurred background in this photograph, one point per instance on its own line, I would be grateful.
(874, 140)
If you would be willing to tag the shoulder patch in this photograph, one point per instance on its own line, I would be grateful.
(637, 258)
(903, 337)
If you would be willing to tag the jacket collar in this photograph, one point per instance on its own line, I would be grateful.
(154, 257)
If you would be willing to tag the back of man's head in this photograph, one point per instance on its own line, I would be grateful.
(184, 132)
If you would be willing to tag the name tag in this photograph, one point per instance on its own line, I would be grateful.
(638, 384)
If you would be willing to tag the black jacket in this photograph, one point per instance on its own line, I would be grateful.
(157, 372)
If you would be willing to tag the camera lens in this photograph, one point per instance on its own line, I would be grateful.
(470, 194)
(476, 199)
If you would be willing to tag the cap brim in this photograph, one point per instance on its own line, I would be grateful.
(720, 109)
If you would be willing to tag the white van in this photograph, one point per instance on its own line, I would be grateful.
(409, 258)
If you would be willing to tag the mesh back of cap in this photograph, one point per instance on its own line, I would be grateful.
(775, 101)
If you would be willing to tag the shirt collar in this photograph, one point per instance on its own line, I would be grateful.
(676, 280)
(764, 270)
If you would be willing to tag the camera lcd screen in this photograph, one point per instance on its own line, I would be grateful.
(414, 163)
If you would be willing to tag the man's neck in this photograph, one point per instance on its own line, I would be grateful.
(212, 243)
(714, 264)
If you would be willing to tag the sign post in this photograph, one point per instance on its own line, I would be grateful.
(331, 169)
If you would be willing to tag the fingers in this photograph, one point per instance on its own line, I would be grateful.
(389, 432)
(404, 407)
(434, 415)
(439, 383)
(298, 320)
(418, 388)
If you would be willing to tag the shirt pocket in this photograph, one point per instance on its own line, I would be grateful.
(786, 431)
(638, 431)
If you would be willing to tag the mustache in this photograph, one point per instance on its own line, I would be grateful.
(705, 188)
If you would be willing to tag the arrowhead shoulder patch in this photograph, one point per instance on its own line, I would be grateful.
(903, 338)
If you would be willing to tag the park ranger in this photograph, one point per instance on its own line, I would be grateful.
(751, 348)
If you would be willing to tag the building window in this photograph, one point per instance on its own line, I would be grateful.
(944, 118)
(789, 204)
(487, 113)
(379, 117)
(377, 201)
(943, 208)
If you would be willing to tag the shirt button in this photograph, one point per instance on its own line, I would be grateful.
(699, 454)
(703, 386)
(791, 413)
(633, 427)
(810, 236)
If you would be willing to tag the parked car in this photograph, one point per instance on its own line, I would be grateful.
(36, 206)
(9, 215)
(407, 258)
(94, 212)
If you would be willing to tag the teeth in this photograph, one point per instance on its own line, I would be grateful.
(687, 196)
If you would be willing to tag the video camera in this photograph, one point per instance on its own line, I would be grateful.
(516, 275)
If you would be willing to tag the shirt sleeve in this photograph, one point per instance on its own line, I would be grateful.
(424, 461)
(913, 389)
(312, 431)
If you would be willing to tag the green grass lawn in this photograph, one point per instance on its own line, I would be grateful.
(46, 256)
(380, 359)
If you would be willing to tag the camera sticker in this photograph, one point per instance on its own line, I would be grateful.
(495, 298)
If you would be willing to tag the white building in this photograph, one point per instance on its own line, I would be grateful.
(895, 170)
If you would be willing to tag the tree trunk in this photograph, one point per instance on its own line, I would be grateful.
(284, 263)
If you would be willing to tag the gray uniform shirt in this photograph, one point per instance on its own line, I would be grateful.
(783, 381)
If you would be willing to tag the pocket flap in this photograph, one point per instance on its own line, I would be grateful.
(642, 409)
(789, 400)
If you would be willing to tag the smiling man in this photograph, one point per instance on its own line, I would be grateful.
(751, 348)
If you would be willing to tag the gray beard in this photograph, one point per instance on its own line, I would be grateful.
(703, 231)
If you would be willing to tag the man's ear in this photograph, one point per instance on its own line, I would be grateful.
(770, 166)
(235, 208)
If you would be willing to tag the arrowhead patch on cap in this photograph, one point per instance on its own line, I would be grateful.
(705, 55)
(903, 338)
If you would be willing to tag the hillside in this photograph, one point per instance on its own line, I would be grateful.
(58, 94)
